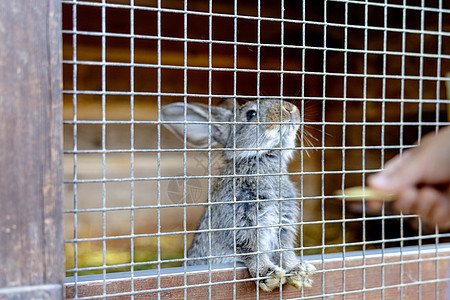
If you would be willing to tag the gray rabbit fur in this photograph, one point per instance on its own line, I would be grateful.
(268, 202)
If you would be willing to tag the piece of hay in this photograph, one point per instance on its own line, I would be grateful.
(359, 193)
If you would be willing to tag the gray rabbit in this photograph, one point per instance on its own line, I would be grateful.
(253, 207)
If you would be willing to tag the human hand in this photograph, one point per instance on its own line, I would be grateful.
(420, 179)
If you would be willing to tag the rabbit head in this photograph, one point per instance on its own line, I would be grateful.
(265, 124)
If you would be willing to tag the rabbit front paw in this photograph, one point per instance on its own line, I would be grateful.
(276, 278)
(300, 275)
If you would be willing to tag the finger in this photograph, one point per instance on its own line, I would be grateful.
(374, 206)
(441, 214)
(395, 162)
(427, 164)
(428, 200)
(406, 202)
(397, 175)
(440, 217)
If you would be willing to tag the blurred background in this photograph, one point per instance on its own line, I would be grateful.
(368, 77)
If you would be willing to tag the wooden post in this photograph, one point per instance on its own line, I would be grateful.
(31, 240)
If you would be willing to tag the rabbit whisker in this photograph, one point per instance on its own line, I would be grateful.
(317, 129)
(307, 153)
(311, 136)
(308, 143)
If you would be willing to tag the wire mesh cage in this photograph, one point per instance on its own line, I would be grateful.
(168, 102)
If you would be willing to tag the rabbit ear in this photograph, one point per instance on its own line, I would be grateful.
(229, 103)
(197, 134)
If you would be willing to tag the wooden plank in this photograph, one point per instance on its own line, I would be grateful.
(373, 276)
(31, 249)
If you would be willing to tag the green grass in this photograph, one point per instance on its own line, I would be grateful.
(145, 250)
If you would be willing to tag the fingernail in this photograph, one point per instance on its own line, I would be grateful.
(380, 180)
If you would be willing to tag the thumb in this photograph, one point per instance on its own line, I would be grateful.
(397, 175)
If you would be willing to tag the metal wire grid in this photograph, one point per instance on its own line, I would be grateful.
(185, 96)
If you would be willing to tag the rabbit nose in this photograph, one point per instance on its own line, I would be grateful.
(290, 112)
(287, 107)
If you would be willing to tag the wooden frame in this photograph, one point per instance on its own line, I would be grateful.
(31, 249)
(408, 272)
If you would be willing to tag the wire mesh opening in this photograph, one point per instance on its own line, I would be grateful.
(367, 77)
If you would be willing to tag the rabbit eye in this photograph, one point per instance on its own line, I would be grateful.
(251, 114)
